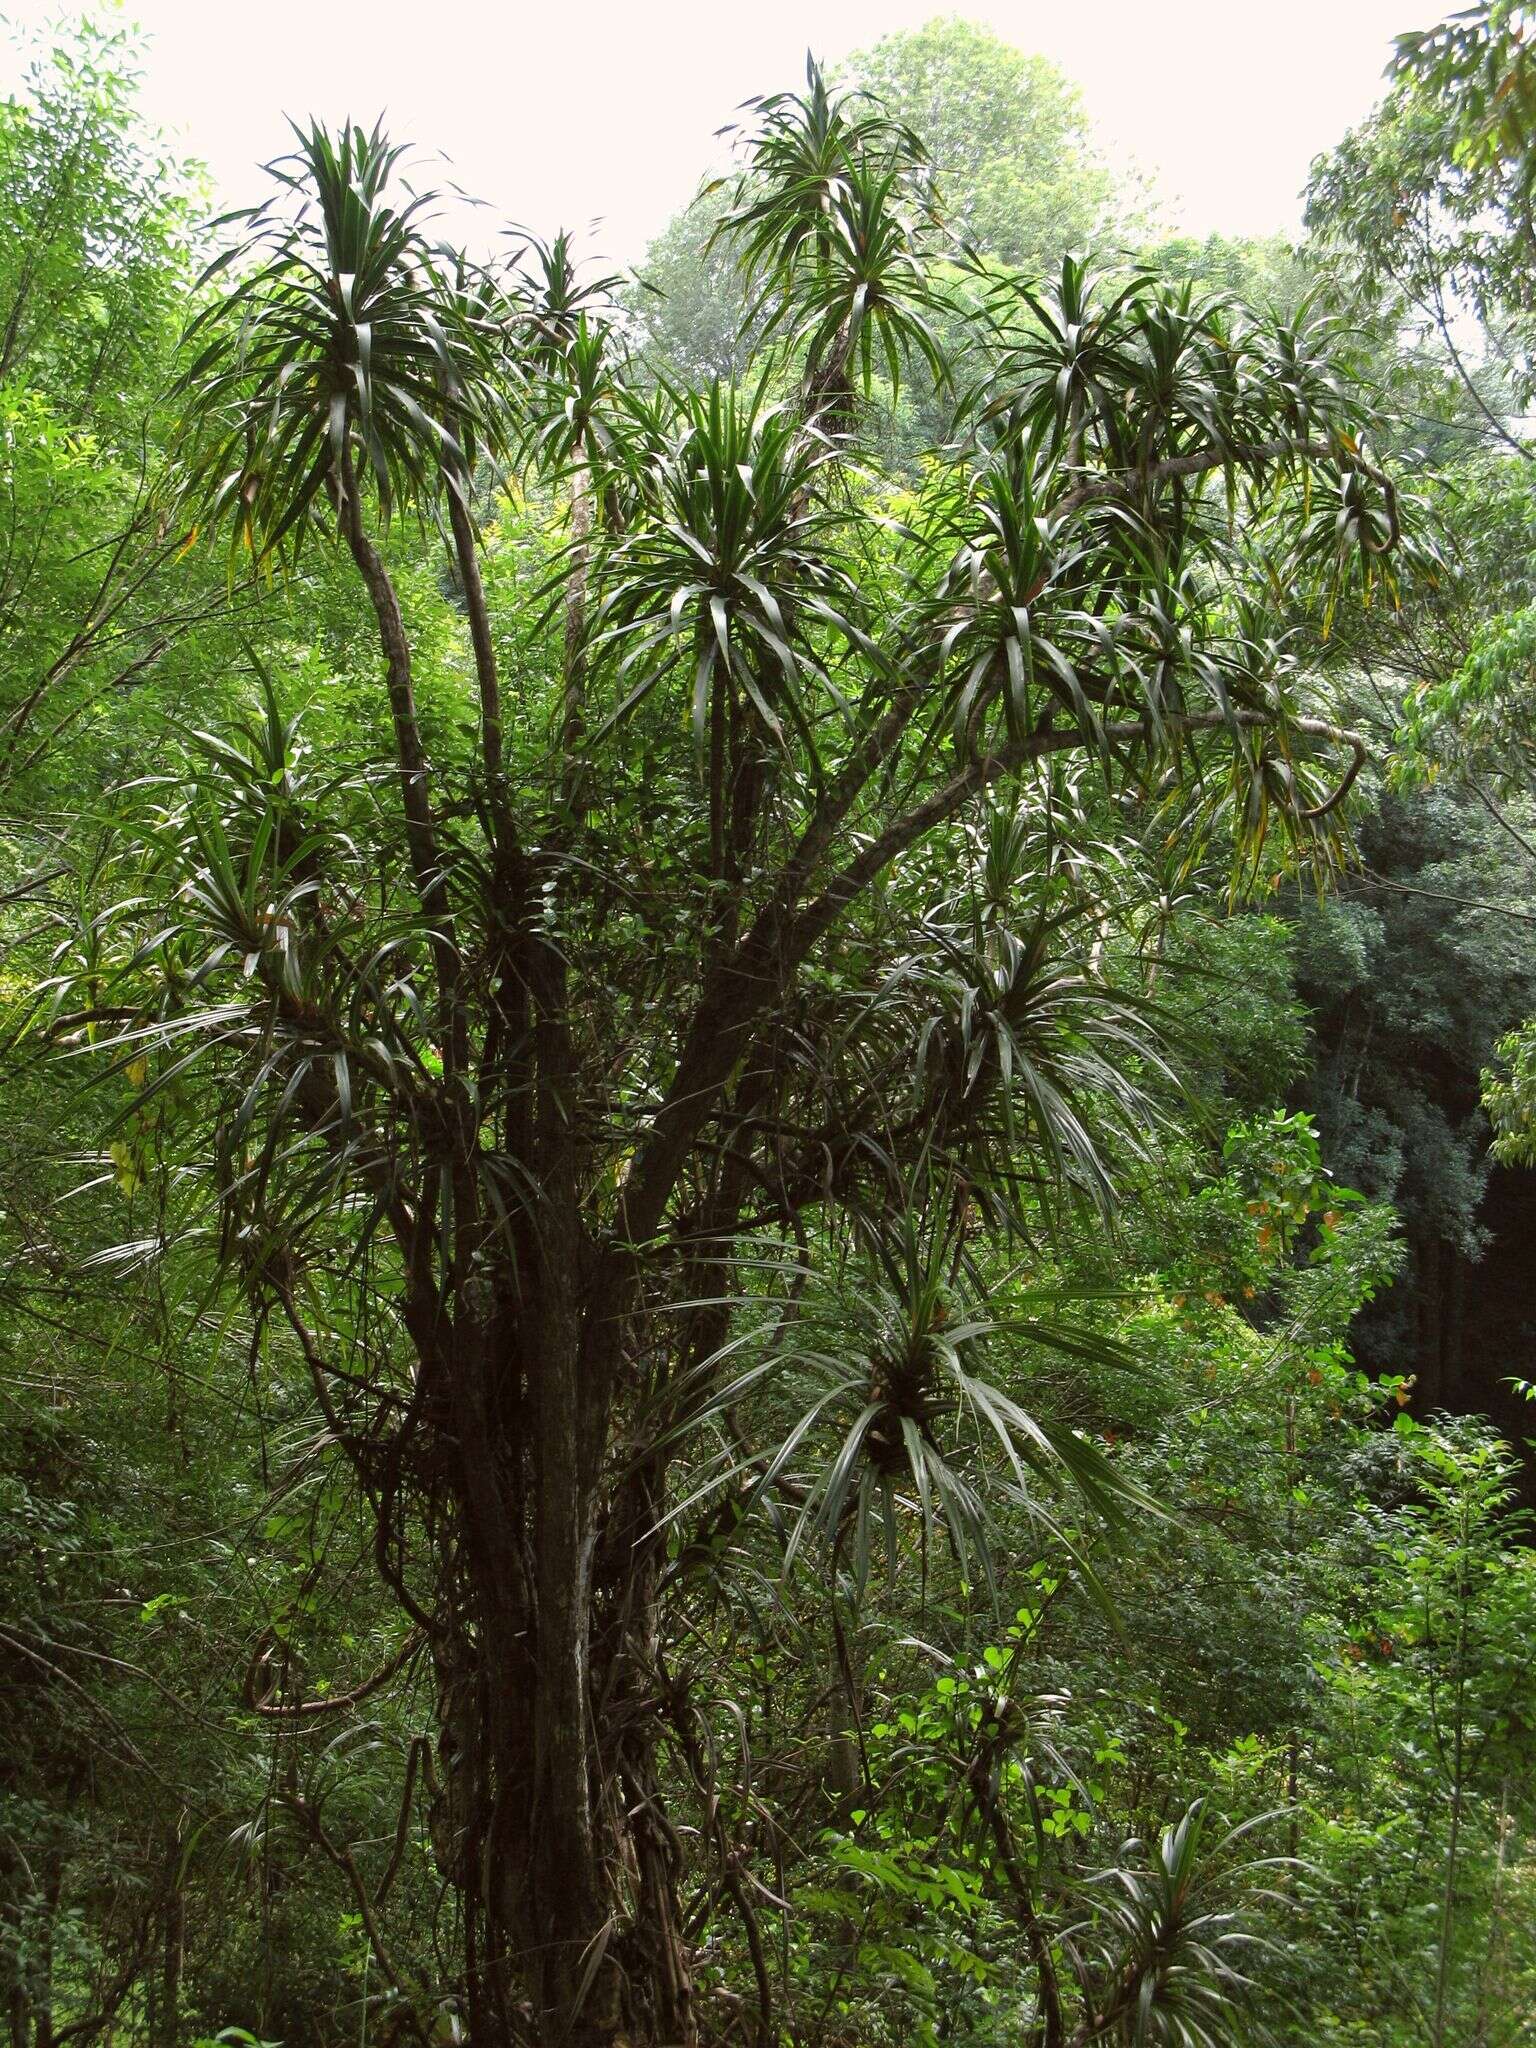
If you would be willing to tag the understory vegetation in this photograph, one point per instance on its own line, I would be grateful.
(769, 1086)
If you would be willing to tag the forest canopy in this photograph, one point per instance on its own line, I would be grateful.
(770, 1081)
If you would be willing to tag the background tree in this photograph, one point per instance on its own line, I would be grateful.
(1009, 140)
(1422, 214)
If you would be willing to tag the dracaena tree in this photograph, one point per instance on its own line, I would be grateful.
(622, 1113)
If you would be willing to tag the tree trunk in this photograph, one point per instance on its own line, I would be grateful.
(550, 1823)
(53, 1891)
(170, 1967)
(481, 638)
(545, 1814)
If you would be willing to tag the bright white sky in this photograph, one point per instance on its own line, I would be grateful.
(566, 111)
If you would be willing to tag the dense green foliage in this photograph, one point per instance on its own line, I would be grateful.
(743, 1040)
